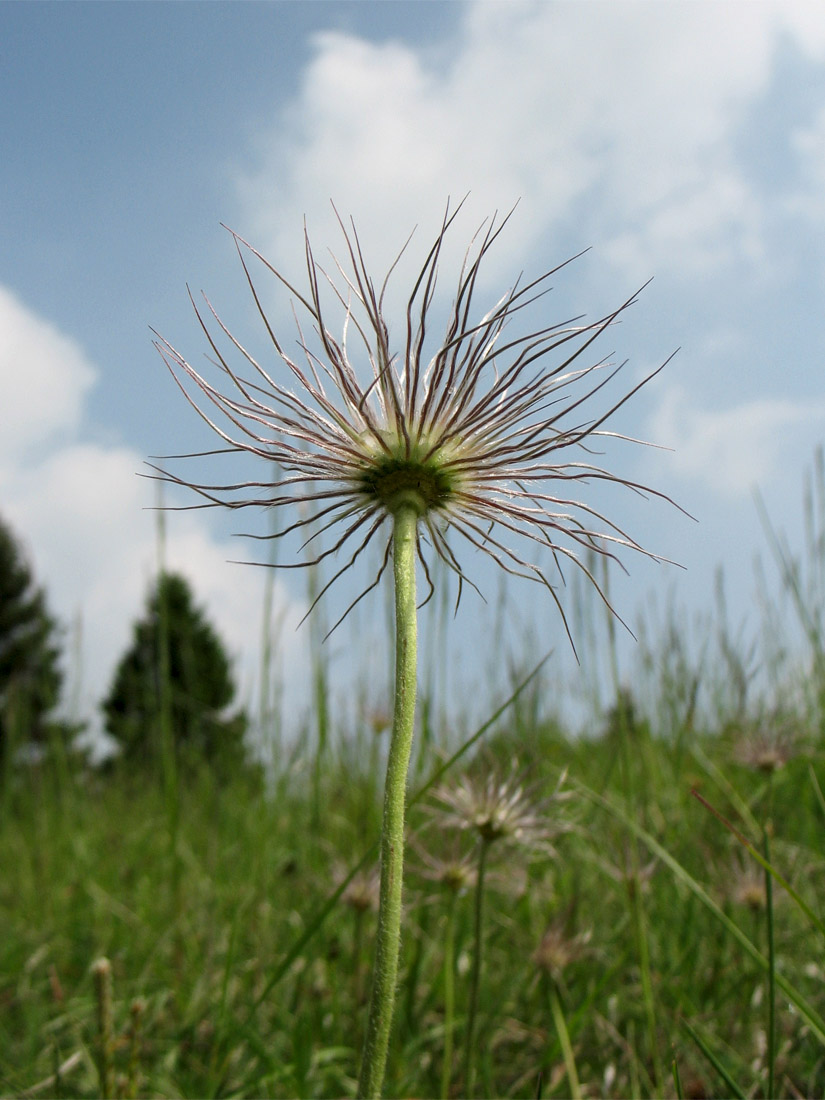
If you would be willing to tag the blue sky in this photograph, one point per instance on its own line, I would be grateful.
(680, 141)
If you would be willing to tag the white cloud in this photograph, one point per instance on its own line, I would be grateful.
(606, 119)
(808, 143)
(80, 510)
(44, 379)
(736, 449)
(707, 225)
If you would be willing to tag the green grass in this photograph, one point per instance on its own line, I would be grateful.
(671, 967)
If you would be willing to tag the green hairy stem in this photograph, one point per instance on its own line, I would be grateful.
(388, 935)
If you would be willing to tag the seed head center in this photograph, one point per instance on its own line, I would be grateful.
(396, 480)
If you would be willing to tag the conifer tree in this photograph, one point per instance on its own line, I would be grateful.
(176, 671)
(30, 676)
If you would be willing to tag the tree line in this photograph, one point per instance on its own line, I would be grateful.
(172, 687)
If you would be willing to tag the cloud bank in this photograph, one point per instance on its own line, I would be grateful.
(80, 511)
(597, 115)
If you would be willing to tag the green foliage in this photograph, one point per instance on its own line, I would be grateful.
(220, 1016)
(175, 672)
(30, 677)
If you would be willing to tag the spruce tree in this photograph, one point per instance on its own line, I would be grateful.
(176, 671)
(30, 677)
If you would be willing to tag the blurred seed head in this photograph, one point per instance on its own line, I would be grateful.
(625, 870)
(748, 889)
(497, 809)
(378, 720)
(744, 883)
(362, 891)
(455, 871)
(558, 948)
(769, 746)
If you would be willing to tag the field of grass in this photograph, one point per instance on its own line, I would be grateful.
(645, 946)
(664, 938)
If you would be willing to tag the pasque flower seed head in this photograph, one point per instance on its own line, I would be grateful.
(486, 440)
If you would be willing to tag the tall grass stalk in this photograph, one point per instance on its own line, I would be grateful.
(448, 971)
(677, 1080)
(564, 1038)
(475, 973)
(804, 582)
(137, 1010)
(770, 1090)
(270, 690)
(102, 972)
(820, 797)
(320, 689)
(731, 1087)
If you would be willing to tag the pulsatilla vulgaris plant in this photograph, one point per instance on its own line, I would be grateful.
(479, 442)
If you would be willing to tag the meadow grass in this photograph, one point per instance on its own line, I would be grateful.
(637, 961)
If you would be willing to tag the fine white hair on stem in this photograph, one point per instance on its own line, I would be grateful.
(492, 438)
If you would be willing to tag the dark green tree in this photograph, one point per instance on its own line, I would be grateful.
(174, 686)
(30, 676)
